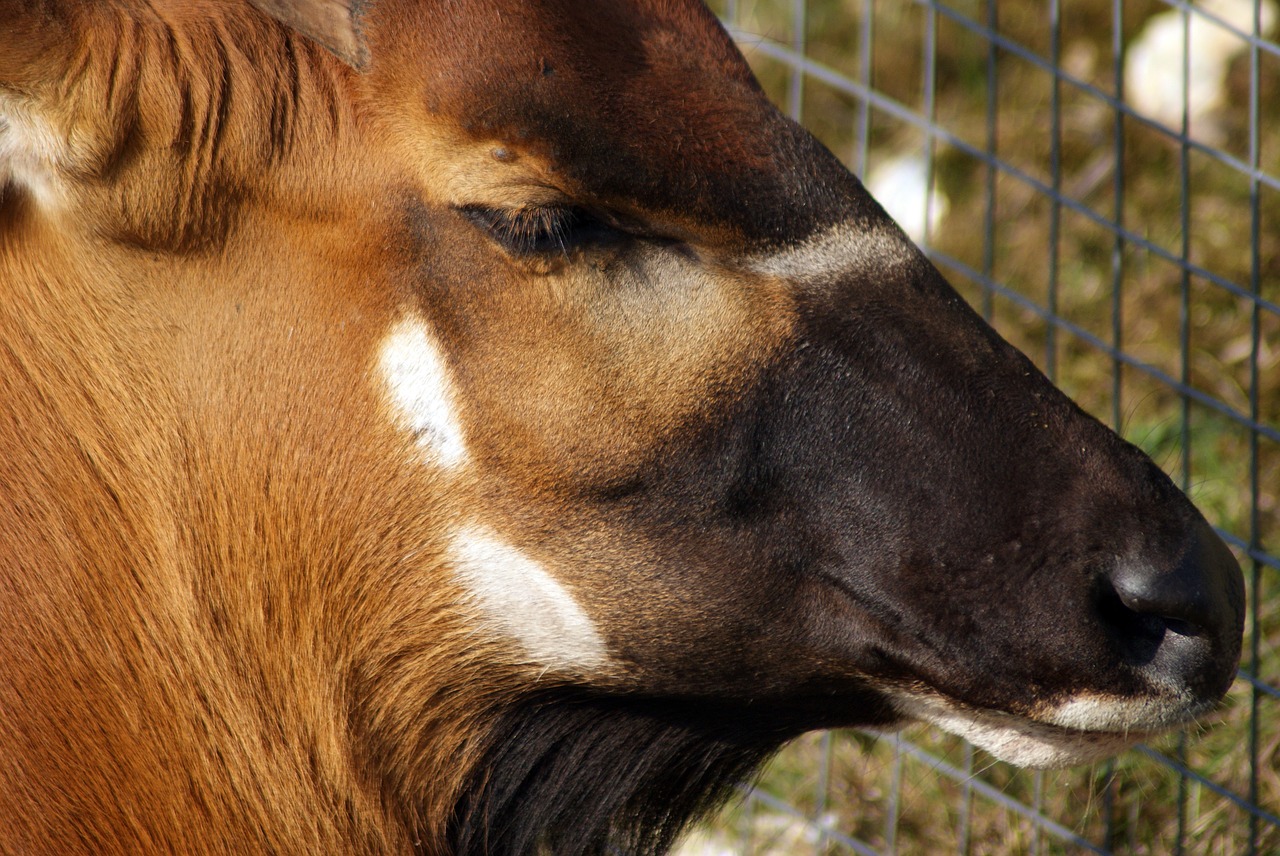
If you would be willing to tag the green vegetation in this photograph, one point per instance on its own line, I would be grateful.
(1128, 295)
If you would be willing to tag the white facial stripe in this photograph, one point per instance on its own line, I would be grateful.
(843, 248)
(520, 599)
(418, 381)
(1016, 740)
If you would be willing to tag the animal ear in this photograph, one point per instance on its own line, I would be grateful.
(35, 40)
(335, 24)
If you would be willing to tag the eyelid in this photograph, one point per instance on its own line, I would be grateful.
(539, 228)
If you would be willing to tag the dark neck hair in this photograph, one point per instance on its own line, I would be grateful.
(570, 773)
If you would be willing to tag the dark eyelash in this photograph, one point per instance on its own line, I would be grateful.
(540, 229)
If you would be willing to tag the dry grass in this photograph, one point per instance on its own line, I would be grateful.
(1136, 805)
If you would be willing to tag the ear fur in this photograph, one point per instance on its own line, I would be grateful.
(32, 47)
(335, 24)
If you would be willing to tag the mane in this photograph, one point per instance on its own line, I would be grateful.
(574, 774)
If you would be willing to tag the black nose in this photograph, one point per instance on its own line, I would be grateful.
(1180, 593)
(1179, 613)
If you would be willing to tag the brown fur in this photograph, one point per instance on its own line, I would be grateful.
(185, 565)
(227, 618)
(167, 576)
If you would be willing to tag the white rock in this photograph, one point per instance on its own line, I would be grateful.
(1153, 70)
(900, 185)
(770, 834)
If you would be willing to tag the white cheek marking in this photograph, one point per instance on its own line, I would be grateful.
(520, 599)
(844, 248)
(29, 151)
(418, 381)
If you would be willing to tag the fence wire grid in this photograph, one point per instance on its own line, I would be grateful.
(1109, 200)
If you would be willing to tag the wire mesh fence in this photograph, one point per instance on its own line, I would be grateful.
(1110, 200)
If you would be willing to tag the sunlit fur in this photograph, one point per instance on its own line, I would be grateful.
(506, 446)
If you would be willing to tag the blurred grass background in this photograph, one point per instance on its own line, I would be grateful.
(1120, 324)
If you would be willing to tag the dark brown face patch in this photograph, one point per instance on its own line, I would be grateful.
(645, 107)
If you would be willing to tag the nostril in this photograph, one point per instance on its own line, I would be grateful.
(1189, 589)
(1138, 634)
(1177, 614)
(1177, 596)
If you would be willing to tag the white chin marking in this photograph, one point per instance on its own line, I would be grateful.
(1106, 713)
(1017, 740)
(418, 382)
(843, 248)
(522, 601)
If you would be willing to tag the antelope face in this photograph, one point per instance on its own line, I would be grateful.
(530, 418)
(710, 427)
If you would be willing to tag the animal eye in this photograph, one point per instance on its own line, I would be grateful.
(539, 229)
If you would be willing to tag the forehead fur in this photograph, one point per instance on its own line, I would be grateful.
(546, 79)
